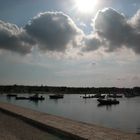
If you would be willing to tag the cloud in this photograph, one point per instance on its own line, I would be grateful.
(50, 31)
(53, 31)
(115, 30)
(91, 43)
(14, 39)
(135, 21)
(56, 32)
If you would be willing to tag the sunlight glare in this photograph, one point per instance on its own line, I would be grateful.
(86, 6)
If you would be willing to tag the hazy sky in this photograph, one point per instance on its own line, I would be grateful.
(70, 42)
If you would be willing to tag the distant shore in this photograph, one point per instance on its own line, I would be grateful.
(67, 90)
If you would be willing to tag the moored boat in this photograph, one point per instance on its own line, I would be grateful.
(115, 96)
(128, 95)
(11, 95)
(87, 97)
(98, 96)
(36, 97)
(108, 101)
(94, 96)
(21, 98)
(56, 96)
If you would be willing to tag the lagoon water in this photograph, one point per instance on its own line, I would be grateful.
(124, 116)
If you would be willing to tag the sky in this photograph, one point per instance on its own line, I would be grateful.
(80, 43)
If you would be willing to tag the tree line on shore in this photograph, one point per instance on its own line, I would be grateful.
(67, 90)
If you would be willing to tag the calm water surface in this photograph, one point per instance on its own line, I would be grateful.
(124, 116)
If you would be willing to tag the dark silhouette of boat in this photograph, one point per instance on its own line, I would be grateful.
(108, 101)
(115, 96)
(94, 96)
(36, 97)
(98, 96)
(56, 96)
(21, 98)
(128, 95)
(11, 95)
(87, 97)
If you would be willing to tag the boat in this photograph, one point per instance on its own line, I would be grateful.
(56, 96)
(128, 95)
(11, 95)
(21, 98)
(98, 96)
(94, 96)
(36, 97)
(87, 97)
(115, 96)
(108, 101)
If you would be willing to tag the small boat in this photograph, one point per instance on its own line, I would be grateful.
(87, 97)
(56, 96)
(36, 97)
(94, 96)
(98, 96)
(129, 95)
(115, 96)
(21, 98)
(108, 101)
(11, 95)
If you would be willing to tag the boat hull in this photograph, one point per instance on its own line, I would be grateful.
(115, 96)
(107, 102)
(21, 98)
(36, 98)
(11, 95)
(95, 96)
(56, 96)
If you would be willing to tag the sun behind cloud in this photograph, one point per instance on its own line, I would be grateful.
(86, 6)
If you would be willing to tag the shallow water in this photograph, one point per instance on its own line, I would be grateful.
(124, 116)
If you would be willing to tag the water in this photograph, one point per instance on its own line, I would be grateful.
(124, 116)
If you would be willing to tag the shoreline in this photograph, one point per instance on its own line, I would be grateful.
(66, 127)
(13, 128)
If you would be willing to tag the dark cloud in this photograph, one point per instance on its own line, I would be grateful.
(116, 31)
(91, 43)
(53, 31)
(14, 39)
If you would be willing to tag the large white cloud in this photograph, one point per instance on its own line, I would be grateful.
(53, 31)
(14, 39)
(116, 31)
(50, 31)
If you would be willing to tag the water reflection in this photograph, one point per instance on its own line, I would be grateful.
(108, 107)
(35, 102)
(55, 101)
(8, 98)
